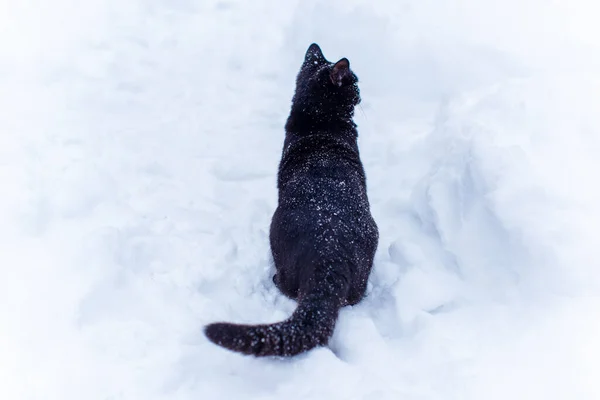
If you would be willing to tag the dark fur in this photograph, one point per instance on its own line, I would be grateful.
(323, 236)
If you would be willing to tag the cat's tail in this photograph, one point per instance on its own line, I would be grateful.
(311, 325)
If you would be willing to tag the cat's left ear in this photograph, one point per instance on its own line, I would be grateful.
(340, 73)
(314, 54)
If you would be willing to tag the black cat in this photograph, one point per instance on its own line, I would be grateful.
(323, 236)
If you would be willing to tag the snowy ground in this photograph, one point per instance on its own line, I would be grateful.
(139, 142)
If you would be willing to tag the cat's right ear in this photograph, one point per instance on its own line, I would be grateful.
(340, 73)
(314, 54)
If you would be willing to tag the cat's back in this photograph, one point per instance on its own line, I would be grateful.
(322, 188)
(321, 155)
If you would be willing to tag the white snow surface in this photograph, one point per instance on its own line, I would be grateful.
(139, 143)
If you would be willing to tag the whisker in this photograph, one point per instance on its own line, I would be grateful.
(362, 111)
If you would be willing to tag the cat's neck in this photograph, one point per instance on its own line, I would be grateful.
(303, 123)
(297, 130)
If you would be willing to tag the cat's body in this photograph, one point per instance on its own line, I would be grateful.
(323, 237)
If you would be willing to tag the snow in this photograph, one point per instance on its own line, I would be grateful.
(139, 142)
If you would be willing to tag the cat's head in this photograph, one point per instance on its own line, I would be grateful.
(325, 89)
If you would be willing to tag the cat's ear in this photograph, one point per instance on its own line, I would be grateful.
(340, 73)
(313, 54)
